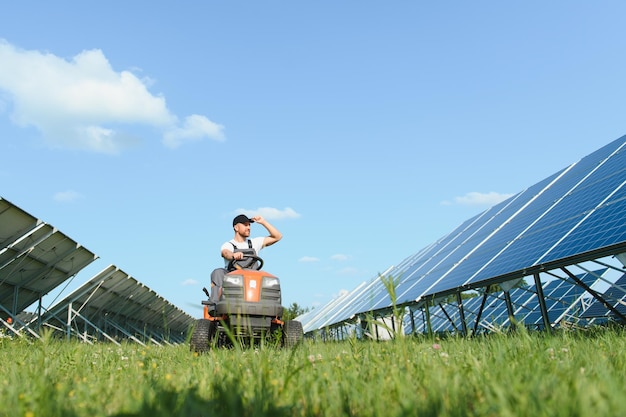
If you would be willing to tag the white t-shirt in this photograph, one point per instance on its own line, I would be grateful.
(257, 245)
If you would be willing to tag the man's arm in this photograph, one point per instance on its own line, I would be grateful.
(228, 252)
(274, 234)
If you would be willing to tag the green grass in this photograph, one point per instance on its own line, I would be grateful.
(523, 374)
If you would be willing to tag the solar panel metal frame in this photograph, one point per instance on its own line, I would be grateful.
(35, 258)
(615, 295)
(114, 298)
(524, 301)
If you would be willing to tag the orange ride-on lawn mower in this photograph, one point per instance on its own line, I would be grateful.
(248, 311)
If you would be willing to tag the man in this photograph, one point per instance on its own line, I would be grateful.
(241, 241)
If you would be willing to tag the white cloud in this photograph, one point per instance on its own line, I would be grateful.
(67, 196)
(340, 257)
(269, 213)
(195, 128)
(83, 103)
(189, 282)
(308, 259)
(478, 199)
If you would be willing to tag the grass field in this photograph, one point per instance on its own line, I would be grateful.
(523, 374)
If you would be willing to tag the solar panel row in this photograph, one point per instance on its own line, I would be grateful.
(115, 305)
(574, 215)
(36, 258)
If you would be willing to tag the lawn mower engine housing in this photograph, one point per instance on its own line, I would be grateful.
(250, 304)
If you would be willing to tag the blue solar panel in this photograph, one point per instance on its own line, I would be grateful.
(566, 215)
(446, 253)
(493, 229)
(604, 227)
(549, 218)
(561, 223)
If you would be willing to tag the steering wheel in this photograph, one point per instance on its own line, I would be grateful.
(256, 261)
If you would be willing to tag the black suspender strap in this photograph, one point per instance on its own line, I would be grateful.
(235, 247)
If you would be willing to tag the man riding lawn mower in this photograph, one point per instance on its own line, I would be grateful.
(249, 309)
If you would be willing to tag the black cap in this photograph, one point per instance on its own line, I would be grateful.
(242, 218)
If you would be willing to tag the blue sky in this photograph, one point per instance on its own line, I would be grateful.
(362, 130)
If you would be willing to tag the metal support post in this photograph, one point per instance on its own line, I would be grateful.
(542, 303)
